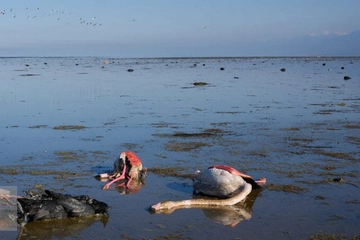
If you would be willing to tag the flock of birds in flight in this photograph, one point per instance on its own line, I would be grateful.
(58, 14)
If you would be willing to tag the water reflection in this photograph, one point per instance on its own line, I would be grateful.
(123, 187)
(59, 228)
(225, 215)
(8, 219)
(233, 215)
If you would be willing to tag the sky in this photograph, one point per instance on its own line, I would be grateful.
(165, 28)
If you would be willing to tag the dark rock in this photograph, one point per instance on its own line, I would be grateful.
(200, 83)
(130, 70)
(347, 77)
(283, 69)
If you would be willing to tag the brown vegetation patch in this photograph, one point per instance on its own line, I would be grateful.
(258, 153)
(300, 139)
(330, 111)
(175, 146)
(324, 112)
(354, 140)
(319, 197)
(160, 125)
(290, 129)
(169, 237)
(172, 172)
(38, 126)
(339, 155)
(229, 112)
(69, 155)
(352, 126)
(286, 188)
(29, 74)
(69, 127)
(312, 182)
(185, 135)
(204, 134)
(17, 170)
(328, 236)
(109, 123)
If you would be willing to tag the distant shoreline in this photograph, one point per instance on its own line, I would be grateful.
(215, 57)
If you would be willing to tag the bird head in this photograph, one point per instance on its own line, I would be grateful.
(120, 163)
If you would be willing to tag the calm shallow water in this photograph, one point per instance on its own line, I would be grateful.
(297, 128)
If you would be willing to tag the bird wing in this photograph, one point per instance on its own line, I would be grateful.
(72, 205)
(133, 159)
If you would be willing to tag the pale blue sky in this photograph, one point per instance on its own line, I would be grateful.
(163, 27)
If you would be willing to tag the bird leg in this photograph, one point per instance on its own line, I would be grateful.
(128, 183)
(5, 194)
(261, 181)
(122, 176)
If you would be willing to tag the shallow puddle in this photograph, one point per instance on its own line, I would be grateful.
(65, 123)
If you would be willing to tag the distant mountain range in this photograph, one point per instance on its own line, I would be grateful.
(319, 45)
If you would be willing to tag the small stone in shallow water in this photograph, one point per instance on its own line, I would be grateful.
(283, 69)
(347, 77)
(200, 83)
(130, 70)
(222, 69)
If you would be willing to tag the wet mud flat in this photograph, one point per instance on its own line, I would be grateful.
(66, 121)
